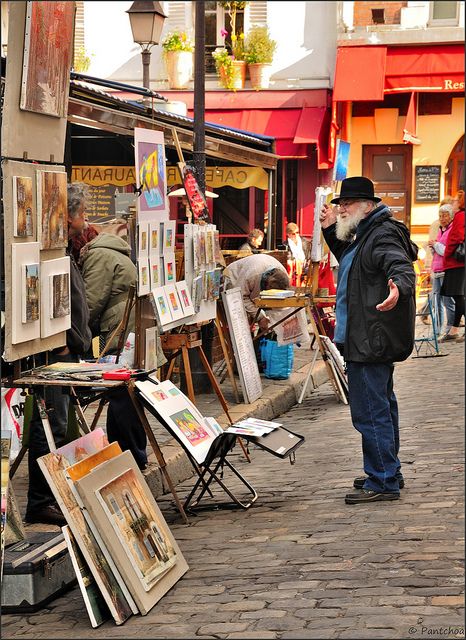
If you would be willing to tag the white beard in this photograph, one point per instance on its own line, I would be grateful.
(346, 227)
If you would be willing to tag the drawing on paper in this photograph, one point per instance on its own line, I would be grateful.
(52, 205)
(190, 427)
(30, 293)
(140, 532)
(22, 207)
(48, 51)
(60, 295)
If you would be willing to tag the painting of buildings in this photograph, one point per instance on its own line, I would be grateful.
(23, 207)
(52, 209)
(30, 293)
(60, 295)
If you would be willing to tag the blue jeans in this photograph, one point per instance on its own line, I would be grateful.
(374, 412)
(438, 302)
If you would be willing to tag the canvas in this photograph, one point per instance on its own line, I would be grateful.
(22, 254)
(96, 607)
(23, 208)
(83, 467)
(149, 149)
(150, 350)
(143, 276)
(30, 293)
(185, 298)
(117, 499)
(210, 245)
(60, 295)
(180, 416)
(174, 303)
(156, 274)
(169, 268)
(48, 57)
(100, 561)
(52, 209)
(161, 304)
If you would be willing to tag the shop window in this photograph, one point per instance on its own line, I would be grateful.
(454, 178)
(378, 16)
(216, 19)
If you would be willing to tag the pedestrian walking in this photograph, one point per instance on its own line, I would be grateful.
(375, 318)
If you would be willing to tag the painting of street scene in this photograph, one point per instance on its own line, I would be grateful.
(190, 427)
(22, 207)
(53, 212)
(142, 533)
(48, 50)
(30, 293)
(60, 295)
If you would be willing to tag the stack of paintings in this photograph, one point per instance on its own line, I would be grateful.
(124, 554)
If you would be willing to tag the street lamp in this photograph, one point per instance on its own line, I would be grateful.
(146, 19)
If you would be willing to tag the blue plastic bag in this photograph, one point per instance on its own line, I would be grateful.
(277, 361)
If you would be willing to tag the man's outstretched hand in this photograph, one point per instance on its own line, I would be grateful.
(390, 302)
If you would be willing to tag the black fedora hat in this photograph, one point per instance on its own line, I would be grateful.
(359, 188)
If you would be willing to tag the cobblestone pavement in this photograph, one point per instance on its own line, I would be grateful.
(300, 563)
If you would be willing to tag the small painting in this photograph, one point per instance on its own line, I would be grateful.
(190, 427)
(155, 272)
(185, 298)
(143, 239)
(161, 305)
(60, 295)
(169, 267)
(176, 309)
(150, 161)
(23, 207)
(169, 228)
(154, 232)
(52, 209)
(143, 276)
(30, 297)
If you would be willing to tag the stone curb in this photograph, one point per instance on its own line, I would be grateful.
(279, 396)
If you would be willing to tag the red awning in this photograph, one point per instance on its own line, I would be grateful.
(367, 73)
(293, 129)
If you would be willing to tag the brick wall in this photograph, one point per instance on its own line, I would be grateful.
(363, 13)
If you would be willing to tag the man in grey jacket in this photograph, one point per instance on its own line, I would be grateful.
(375, 316)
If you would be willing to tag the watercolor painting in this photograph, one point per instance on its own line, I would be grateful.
(155, 279)
(30, 293)
(169, 268)
(190, 427)
(23, 207)
(60, 295)
(186, 302)
(151, 170)
(52, 209)
(48, 57)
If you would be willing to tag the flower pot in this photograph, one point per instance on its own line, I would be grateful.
(238, 79)
(179, 68)
(260, 73)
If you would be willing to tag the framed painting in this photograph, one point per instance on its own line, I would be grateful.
(23, 208)
(169, 268)
(185, 298)
(174, 303)
(143, 276)
(83, 467)
(48, 57)
(149, 149)
(169, 228)
(96, 607)
(143, 239)
(25, 290)
(161, 305)
(100, 561)
(55, 314)
(52, 209)
(180, 416)
(154, 241)
(156, 274)
(118, 500)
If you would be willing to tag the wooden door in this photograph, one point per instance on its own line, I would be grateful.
(390, 169)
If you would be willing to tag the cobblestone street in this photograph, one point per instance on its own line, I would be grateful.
(302, 564)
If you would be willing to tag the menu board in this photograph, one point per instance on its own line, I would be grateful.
(427, 186)
(243, 347)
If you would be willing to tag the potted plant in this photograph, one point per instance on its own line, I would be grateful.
(178, 50)
(231, 66)
(259, 50)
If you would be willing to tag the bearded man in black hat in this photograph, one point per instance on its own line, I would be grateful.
(375, 316)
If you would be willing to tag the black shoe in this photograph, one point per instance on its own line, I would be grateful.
(359, 482)
(47, 515)
(369, 496)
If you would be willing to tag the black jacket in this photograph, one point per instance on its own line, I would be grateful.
(384, 251)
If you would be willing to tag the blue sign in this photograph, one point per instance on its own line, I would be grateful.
(340, 168)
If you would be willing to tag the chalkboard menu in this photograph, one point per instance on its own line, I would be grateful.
(427, 183)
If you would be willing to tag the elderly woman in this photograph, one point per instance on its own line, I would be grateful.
(437, 247)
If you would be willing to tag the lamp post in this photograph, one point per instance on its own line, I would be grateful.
(146, 19)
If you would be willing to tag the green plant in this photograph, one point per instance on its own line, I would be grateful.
(81, 62)
(224, 61)
(177, 41)
(259, 46)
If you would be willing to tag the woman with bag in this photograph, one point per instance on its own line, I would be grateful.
(453, 281)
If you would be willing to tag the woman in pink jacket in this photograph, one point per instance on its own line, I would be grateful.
(453, 281)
